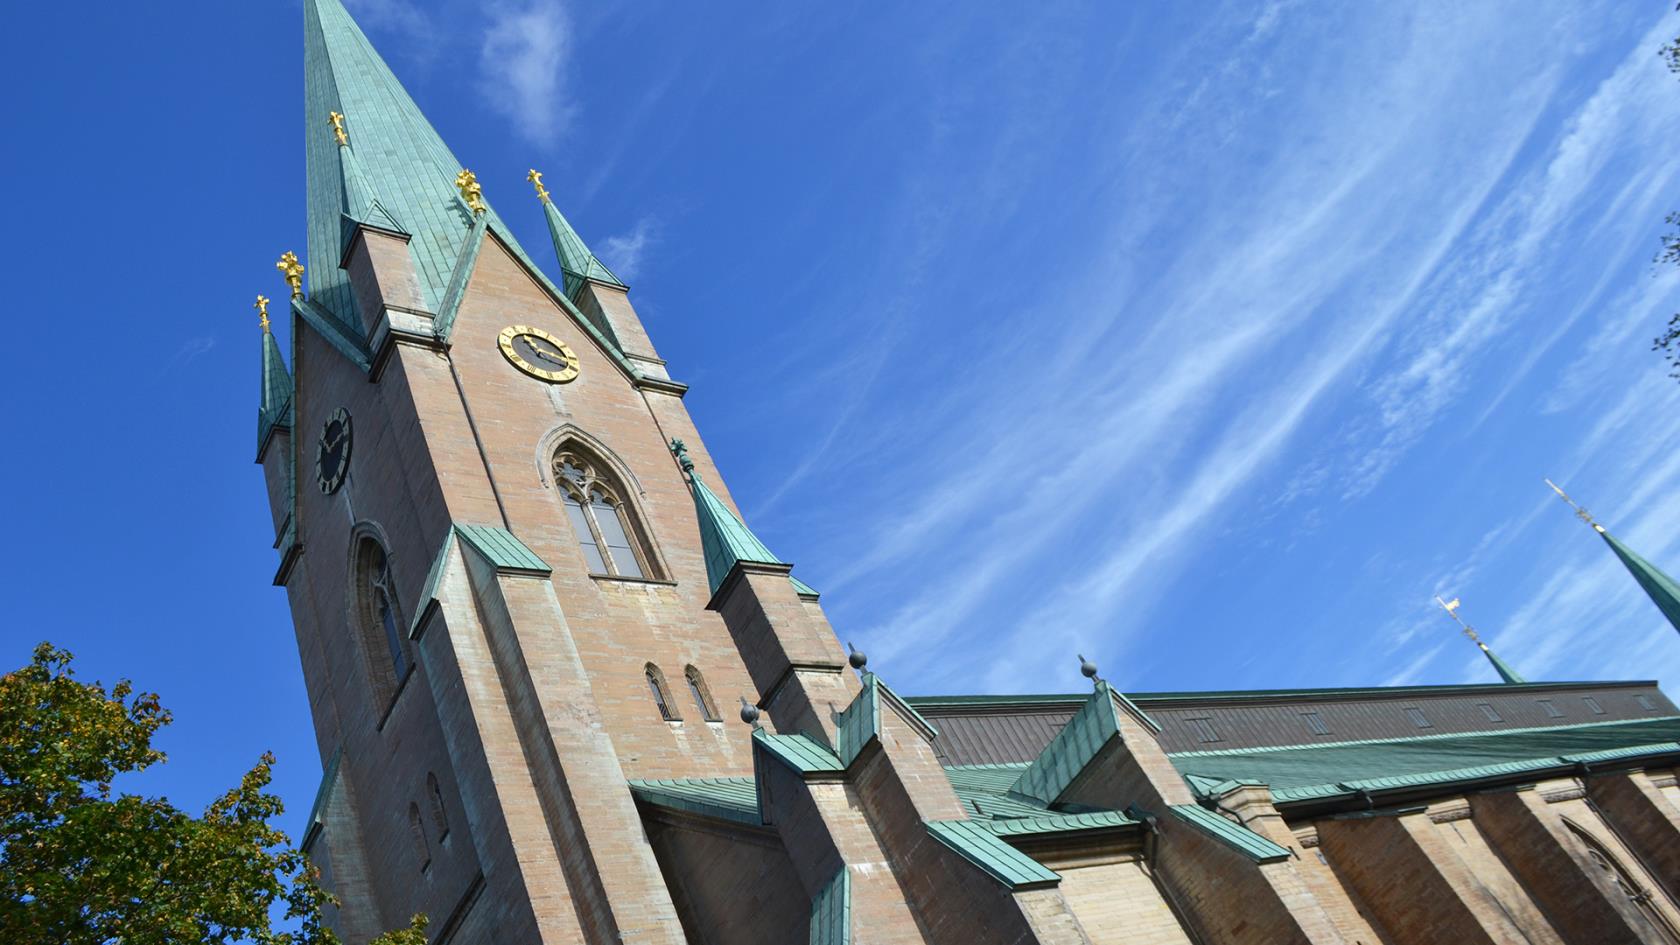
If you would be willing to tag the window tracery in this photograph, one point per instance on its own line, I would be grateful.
(1624, 880)
(605, 525)
(379, 616)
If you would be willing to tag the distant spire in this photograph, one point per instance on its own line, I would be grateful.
(577, 263)
(276, 406)
(1506, 673)
(1663, 590)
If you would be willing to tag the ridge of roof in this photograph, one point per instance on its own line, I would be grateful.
(1256, 694)
(1416, 739)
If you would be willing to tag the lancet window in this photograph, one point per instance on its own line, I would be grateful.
(702, 695)
(661, 694)
(381, 621)
(417, 832)
(440, 817)
(602, 520)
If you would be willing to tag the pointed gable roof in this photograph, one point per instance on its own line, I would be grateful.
(1664, 591)
(724, 539)
(577, 263)
(276, 407)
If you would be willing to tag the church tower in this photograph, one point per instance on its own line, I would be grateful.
(519, 584)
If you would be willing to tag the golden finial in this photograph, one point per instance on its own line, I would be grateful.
(467, 183)
(293, 271)
(262, 311)
(337, 119)
(535, 177)
(1580, 513)
(1451, 607)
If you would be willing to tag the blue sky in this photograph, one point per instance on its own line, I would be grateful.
(1208, 340)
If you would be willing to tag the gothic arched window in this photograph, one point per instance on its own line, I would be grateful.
(422, 850)
(440, 818)
(661, 694)
(612, 540)
(1624, 880)
(381, 621)
(702, 695)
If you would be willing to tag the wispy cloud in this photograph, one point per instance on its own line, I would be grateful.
(523, 61)
(625, 253)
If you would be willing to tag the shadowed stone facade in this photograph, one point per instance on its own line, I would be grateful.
(525, 616)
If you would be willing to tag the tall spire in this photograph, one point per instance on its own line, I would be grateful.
(392, 153)
(577, 263)
(1506, 673)
(1663, 590)
(276, 407)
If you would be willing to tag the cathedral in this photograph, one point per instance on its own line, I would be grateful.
(563, 694)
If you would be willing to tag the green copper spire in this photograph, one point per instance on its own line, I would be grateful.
(394, 155)
(577, 263)
(1506, 673)
(724, 539)
(276, 407)
(1663, 590)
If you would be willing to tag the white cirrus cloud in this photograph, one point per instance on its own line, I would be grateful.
(522, 68)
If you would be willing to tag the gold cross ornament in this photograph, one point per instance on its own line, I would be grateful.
(337, 120)
(292, 270)
(262, 310)
(535, 177)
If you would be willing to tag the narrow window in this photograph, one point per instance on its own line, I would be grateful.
(661, 698)
(604, 524)
(1418, 718)
(1645, 703)
(702, 696)
(1552, 711)
(1315, 723)
(1488, 711)
(379, 619)
(422, 850)
(1624, 880)
(440, 818)
(1204, 729)
(1593, 705)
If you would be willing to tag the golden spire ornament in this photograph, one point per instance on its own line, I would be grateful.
(292, 270)
(262, 311)
(535, 177)
(467, 183)
(337, 120)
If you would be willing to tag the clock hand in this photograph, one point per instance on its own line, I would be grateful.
(551, 359)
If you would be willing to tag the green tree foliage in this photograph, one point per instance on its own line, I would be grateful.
(1668, 343)
(81, 864)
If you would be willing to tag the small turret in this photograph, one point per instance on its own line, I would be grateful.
(577, 264)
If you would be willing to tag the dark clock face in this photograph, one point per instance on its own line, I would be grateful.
(332, 451)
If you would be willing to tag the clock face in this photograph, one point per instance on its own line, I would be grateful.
(332, 452)
(538, 353)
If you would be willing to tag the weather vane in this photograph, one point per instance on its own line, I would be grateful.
(262, 310)
(471, 192)
(535, 177)
(337, 119)
(1451, 607)
(293, 271)
(1580, 513)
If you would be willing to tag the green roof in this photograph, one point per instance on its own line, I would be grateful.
(577, 263)
(999, 860)
(831, 911)
(1664, 591)
(725, 798)
(1096, 722)
(1259, 695)
(799, 752)
(724, 539)
(1243, 840)
(1332, 768)
(501, 548)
